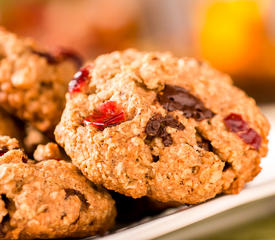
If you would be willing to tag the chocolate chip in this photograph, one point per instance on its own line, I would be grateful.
(167, 140)
(171, 122)
(82, 198)
(156, 127)
(177, 98)
(153, 127)
(155, 158)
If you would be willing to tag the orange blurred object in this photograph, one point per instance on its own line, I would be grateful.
(233, 37)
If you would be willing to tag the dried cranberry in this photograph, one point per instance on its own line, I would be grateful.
(250, 136)
(79, 79)
(107, 115)
(235, 123)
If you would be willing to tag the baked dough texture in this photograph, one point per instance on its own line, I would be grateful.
(169, 139)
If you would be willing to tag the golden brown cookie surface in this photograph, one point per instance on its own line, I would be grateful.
(150, 124)
(51, 199)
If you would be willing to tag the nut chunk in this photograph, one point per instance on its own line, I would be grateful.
(48, 151)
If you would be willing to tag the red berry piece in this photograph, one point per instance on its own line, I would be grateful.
(78, 81)
(250, 136)
(235, 123)
(107, 115)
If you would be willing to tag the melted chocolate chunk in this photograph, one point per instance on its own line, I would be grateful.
(156, 127)
(155, 158)
(177, 98)
(82, 198)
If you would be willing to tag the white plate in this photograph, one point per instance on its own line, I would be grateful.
(261, 187)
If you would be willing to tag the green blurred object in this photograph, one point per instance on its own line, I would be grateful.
(259, 229)
(251, 221)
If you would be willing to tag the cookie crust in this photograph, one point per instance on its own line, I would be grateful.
(185, 171)
(51, 199)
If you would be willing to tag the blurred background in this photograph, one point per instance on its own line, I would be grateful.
(236, 36)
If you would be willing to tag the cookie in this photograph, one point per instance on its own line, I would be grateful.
(173, 129)
(33, 82)
(51, 199)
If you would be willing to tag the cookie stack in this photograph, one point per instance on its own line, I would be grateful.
(138, 123)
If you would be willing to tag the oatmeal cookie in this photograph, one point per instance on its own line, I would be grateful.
(51, 199)
(33, 82)
(173, 129)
